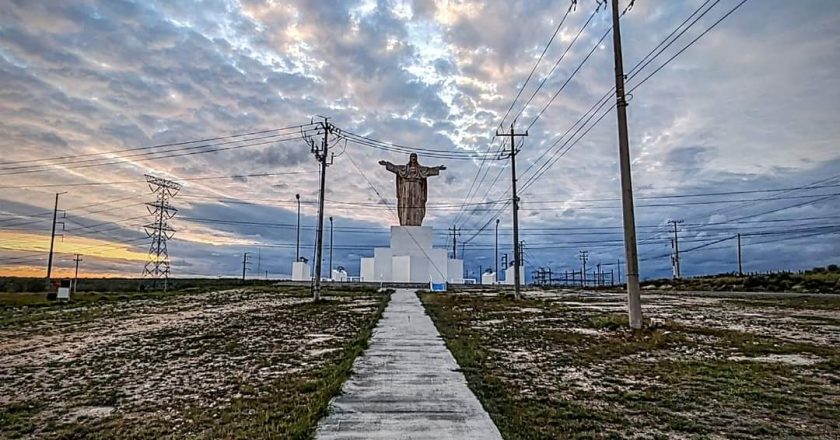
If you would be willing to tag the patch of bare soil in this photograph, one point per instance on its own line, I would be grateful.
(562, 364)
(170, 367)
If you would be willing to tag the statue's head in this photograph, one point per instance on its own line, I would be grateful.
(412, 159)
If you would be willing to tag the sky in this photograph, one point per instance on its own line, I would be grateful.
(737, 133)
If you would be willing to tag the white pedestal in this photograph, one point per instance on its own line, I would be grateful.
(488, 278)
(301, 272)
(411, 259)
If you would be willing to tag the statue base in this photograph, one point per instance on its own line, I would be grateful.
(411, 259)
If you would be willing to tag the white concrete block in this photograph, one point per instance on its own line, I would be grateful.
(439, 266)
(411, 240)
(301, 272)
(509, 275)
(339, 275)
(367, 272)
(401, 272)
(488, 278)
(456, 271)
(383, 265)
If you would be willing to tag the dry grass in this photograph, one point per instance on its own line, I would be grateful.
(257, 363)
(562, 365)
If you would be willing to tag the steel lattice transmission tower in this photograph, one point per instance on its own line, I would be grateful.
(157, 264)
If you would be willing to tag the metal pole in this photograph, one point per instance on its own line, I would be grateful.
(331, 245)
(677, 271)
(244, 264)
(316, 291)
(297, 253)
(497, 250)
(634, 304)
(618, 265)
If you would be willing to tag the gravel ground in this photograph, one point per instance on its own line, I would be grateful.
(217, 364)
(562, 364)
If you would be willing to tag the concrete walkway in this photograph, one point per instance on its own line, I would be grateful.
(406, 385)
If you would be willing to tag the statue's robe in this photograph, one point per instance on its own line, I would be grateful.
(412, 191)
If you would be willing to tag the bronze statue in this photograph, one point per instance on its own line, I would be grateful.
(411, 189)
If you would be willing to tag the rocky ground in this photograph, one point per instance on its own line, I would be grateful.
(252, 363)
(562, 364)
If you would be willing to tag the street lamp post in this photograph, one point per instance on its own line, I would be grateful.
(497, 250)
(297, 252)
(331, 245)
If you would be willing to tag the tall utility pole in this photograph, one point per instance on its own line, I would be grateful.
(157, 263)
(331, 245)
(297, 252)
(634, 303)
(455, 232)
(244, 264)
(52, 240)
(497, 250)
(584, 257)
(515, 198)
(676, 243)
(321, 154)
(78, 259)
(740, 268)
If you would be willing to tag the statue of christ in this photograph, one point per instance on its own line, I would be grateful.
(411, 189)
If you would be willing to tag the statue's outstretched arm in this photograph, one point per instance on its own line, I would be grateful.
(388, 166)
(433, 171)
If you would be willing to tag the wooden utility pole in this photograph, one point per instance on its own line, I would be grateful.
(740, 268)
(634, 304)
(516, 253)
(52, 241)
(584, 257)
(455, 233)
(78, 259)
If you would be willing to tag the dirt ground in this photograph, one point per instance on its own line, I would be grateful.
(562, 364)
(259, 363)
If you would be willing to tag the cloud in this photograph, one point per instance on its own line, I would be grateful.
(749, 107)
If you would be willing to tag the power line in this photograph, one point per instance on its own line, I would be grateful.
(118, 182)
(172, 144)
(539, 60)
(137, 158)
(557, 63)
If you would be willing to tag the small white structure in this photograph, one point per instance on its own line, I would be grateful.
(488, 278)
(301, 271)
(509, 275)
(411, 259)
(339, 274)
(63, 293)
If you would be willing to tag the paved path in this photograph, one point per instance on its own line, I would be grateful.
(406, 385)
